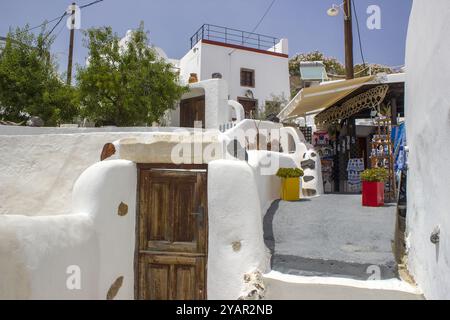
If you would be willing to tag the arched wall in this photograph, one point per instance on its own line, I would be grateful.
(237, 110)
(35, 252)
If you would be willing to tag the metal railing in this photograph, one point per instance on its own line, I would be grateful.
(235, 37)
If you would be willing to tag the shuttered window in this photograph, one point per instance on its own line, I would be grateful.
(247, 77)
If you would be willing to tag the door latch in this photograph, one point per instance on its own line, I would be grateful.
(199, 214)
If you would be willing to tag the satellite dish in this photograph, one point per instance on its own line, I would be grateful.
(333, 11)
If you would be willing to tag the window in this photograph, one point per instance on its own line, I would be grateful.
(247, 77)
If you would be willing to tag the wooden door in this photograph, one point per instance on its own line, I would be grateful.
(172, 233)
(192, 110)
(249, 107)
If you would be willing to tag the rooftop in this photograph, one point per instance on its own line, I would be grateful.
(235, 37)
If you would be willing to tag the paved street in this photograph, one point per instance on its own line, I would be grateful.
(331, 235)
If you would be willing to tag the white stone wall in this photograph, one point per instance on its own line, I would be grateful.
(216, 102)
(235, 218)
(38, 171)
(427, 112)
(43, 231)
(191, 63)
(37, 253)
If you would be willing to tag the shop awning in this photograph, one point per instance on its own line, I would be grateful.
(314, 99)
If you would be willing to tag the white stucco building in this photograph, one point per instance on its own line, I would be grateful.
(228, 65)
(253, 66)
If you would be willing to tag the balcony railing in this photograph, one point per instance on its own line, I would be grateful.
(234, 37)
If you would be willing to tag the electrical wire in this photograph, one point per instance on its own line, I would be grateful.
(41, 25)
(58, 18)
(258, 24)
(343, 75)
(59, 32)
(59, 21)
(264, 15)
(90, 4)
(394, 68)
(359, 34)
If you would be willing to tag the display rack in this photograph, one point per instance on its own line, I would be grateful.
(382, 156)
(307, 133)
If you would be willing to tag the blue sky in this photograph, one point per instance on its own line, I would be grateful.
(171, 23)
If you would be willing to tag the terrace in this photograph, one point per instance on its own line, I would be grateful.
(235, 37)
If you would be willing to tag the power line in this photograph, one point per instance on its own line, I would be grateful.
(42, 24)
(90, 4)
(264, 15)
(59, 32)
(59, 18)
(259, 22)
(359, 34)
(59, 21)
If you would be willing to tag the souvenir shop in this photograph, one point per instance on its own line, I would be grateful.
(358, 132)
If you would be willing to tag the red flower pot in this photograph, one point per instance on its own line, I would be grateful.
(372, 194)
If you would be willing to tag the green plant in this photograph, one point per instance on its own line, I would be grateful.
(332, 65)
(29, 81)
(125, 85)
(289, 173)
(374, 175)
(272, 106)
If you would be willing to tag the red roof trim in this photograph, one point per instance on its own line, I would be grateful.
(234, 46)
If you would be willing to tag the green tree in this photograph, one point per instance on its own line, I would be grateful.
(371, 69)
(29, 82)
(334, 68)
(332, 65)
(125, 85)
(272, 107)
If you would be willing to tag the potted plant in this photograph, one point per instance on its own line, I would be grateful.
(373, 186)
(290, 183)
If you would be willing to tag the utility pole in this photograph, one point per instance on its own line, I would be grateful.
(72, 34)
(348, 32)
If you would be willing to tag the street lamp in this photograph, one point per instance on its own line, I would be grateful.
(348, 33)
(334, 10)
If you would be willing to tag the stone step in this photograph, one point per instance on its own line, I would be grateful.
(281, 286)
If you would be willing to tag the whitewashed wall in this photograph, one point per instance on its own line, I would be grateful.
(216, 102)
(234, 214)
(38, 171)
(38, 242)
(271, 72)
(191, 63)
(427, 111)
(36, 253)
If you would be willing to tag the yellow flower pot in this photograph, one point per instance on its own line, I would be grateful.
(290, 189)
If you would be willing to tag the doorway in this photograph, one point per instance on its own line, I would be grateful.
(192, 110)
(172, 232)
(250, 106)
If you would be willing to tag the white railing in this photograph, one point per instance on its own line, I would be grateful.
(225, 126)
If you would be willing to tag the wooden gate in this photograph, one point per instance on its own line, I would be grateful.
(172, 234)
(250, 106)
(192, 110)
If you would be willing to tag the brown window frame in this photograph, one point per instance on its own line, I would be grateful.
(252, 85)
